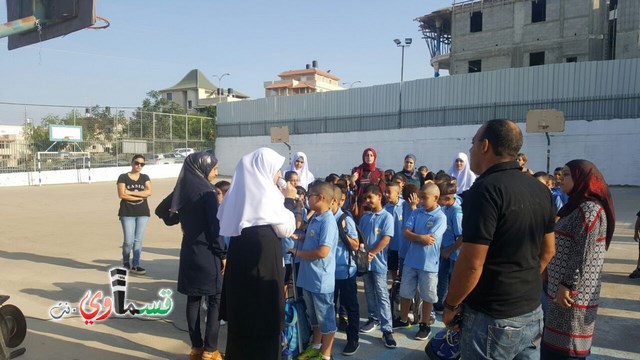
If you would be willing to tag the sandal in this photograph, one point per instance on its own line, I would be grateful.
(196, 353)
(211, 355)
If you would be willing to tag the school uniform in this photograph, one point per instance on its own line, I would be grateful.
(403, 245)
(422, 261)
(396, 210)
(317, 277)
(374, 226)
(346, 290)
(454, 230)
(289, 243)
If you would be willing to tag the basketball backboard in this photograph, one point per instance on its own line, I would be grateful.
(547, 120)
(65, 133)
(280, 134)
(54, 18)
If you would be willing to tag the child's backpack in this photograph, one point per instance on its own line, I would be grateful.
(361, 256)
(445, 345)
(297, 330)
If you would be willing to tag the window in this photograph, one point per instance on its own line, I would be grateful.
(572, 59)
(475, 66)
(170, 96)
(476, 22)
(536, 58)
(4, 145)
(189, 104)
(538, 11)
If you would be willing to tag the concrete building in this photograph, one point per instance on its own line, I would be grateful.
(11, 145)
(305, 81)
(474, 36)
(195, 91)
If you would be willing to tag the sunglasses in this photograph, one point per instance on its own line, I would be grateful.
(141, 164)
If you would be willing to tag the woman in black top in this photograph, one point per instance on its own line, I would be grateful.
(202, 254)
(133, 190)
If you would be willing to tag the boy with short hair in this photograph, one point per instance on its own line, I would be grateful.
(317, 271)
(377, 228)
(549, 181)
(346, 290)
(451, 240)
(424, 230)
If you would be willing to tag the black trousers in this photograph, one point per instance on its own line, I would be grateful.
(347, 293)
(212, 325)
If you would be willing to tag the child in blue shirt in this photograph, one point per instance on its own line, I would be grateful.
(410, 195)
(300, 214)
(377, 228)
(451, 240)
(317, 271)
(424, 229)
(395, 207)
(346, 291)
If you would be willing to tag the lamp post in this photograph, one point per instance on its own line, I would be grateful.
(407, 43)
(351, 84)
(219, 77)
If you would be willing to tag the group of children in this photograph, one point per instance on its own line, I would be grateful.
(411, 234)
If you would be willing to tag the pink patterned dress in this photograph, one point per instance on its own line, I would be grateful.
(577, 264)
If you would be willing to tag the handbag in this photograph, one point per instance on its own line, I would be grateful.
(163, 211)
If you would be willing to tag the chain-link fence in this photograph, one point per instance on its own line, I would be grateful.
(110, 138)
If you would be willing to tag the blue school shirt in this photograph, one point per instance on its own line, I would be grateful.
(454, 228)
(289, 243)
(422, 222)
(398, 223)
(557, 196)
(374, 226)
(343, 270)
(318, 276)
(404, 243)
(564, 197)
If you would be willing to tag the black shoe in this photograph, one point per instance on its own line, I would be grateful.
(126, 266)
(388, 340)
(370, 326)
(438, 308)
(635, 274)
(138, 270)
(342, 324)
(424, 332)
(351, 348)
(397, 323)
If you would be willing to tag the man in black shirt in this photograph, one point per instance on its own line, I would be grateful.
(508, 240)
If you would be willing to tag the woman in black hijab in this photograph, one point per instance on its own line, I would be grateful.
(202, 254)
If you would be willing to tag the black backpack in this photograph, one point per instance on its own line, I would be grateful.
(361, 256)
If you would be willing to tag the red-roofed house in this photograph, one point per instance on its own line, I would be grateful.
(305, 81)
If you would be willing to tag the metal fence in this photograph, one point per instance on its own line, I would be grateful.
(594, 108)
(112, 137)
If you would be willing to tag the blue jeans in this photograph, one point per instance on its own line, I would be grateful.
(133, 229)
(377, 294)
(444, 276)
(484, 337)
(321, 311)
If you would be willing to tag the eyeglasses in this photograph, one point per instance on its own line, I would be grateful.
(141, 164)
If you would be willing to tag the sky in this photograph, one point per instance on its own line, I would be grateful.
(152, 45)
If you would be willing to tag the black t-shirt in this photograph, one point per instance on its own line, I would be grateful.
(509, 211)
(133, 208)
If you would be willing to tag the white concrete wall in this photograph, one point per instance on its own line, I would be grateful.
(82, 175)
(613, 145)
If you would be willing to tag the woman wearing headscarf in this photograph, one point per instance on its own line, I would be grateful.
(410, 171)
(301, 166)
(461, 171)
(367, 173)
(254, 215)
(583, 234)
(202, 253)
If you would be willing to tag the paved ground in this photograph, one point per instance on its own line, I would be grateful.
(59, 241)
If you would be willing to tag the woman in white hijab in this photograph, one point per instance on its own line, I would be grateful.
(254, 215)
(461, 171)
(301, 166)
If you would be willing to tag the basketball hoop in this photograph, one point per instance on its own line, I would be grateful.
(101, 27)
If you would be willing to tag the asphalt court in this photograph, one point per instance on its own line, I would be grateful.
(59, 241)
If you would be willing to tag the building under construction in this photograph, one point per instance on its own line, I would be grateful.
(484, 35)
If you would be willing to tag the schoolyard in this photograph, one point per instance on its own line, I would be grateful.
(59, 241)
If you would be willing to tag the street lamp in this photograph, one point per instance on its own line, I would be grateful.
(351, 84)
(219, 77)
(407, 43)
